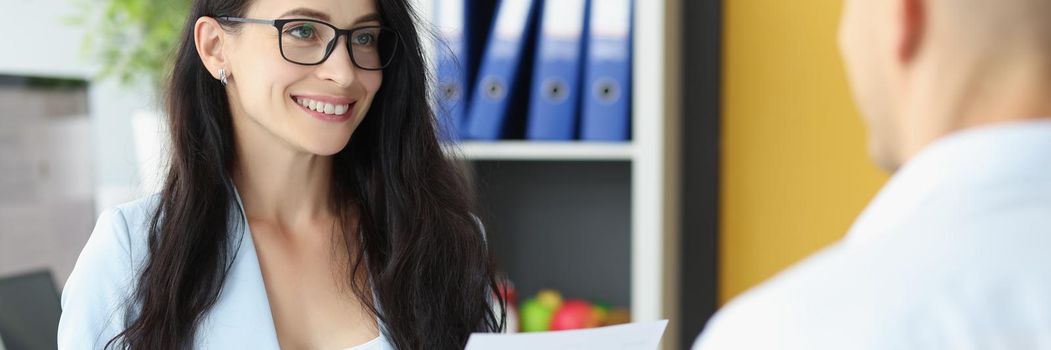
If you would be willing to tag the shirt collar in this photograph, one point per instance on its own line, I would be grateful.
(963, 161)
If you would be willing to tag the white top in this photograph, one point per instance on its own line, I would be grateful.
(954, 253)
(93, 300)
(378, 343)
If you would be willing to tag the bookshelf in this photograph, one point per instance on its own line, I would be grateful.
(597, 220)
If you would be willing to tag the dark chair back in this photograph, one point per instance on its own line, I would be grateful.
(29, 312)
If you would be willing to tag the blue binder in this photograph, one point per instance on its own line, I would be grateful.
(450, 18)
(554, 102)
(498, 103)
(461, 25)
(607, 78)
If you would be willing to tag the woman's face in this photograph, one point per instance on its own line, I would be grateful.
(313, 109)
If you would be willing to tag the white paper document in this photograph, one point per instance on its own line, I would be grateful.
(632, 336)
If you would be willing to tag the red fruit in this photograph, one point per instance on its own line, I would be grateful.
(574, 314)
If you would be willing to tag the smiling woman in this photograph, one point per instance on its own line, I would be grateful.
(308, 203)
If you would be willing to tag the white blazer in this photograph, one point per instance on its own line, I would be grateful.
(94, 297)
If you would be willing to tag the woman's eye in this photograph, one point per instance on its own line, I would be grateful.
(365, 39)
(304, 31)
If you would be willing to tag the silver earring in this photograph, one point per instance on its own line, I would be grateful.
(222, 76)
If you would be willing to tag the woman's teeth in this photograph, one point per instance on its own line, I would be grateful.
(322, 107)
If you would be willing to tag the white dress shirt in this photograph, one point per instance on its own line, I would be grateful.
(954, 253)
(93, 300)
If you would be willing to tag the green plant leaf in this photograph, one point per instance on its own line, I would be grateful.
(132, 40)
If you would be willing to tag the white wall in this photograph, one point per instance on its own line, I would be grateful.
(46, 191)
(38, 42)
(43, 44)
(104, 173)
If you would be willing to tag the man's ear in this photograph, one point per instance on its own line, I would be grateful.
(209, 38)
(913, 23)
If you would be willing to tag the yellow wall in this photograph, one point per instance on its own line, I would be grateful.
(795, 170)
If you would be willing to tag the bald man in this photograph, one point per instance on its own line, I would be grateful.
(955, 251)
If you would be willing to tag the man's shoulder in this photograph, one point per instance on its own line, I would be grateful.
(834, 299)
(771, 314)
(898, 290)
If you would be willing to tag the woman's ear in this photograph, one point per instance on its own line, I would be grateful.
(913, 24)
(209, 38)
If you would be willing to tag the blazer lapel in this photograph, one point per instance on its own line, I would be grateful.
(241, 319)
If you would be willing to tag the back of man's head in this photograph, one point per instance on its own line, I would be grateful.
(921, 69)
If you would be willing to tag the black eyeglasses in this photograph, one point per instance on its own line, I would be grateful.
(310, 42)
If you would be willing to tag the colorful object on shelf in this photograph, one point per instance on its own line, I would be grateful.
(548, 312)
(507, 290)
(574, 314)
(618, 316)
(599, 314)
(535, 316)
(550, 298)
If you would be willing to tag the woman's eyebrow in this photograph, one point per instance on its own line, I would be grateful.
(305, 12)
(311, 13)
(368, 18)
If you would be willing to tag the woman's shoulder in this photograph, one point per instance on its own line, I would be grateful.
(136, 211)
(124, 228)
(94, 294)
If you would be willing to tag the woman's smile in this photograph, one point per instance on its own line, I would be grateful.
(326, 108)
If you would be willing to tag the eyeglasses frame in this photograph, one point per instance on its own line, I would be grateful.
(330, 47)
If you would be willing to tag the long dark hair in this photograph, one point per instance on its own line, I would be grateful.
(422, 250)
